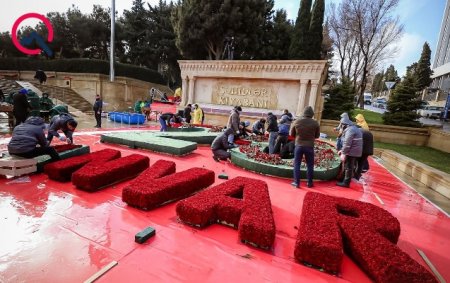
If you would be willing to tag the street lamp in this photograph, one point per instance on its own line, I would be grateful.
(111, 45)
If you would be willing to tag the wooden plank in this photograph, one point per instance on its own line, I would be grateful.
(430, 264)
(102, 271)
(378, 198)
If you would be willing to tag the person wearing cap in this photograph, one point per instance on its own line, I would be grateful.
(258, 127)
(21, 106)
(220, 145)
(272, 129)
(27, 136)
(352, 145)
(98, 106)
(305, 130)
(233, 122)
(66, 124)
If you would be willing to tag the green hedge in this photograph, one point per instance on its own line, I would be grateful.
(81, 66)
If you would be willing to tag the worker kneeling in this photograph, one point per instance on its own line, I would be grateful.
(27, 136)
(220, 145)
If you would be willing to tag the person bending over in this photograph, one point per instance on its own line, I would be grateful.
(62, 122)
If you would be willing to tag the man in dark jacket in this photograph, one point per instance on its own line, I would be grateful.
(27, 136)
(284, 126)
(187, 113)
(258, 127)
(66, 124)
(305, 131)
(233, 122)
(351, 150)
(272, 128)
(98, 106)
(220, 145)
(21, 106)
(164, 120)
(367, 149)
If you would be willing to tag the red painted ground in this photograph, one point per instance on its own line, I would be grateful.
(52, 232)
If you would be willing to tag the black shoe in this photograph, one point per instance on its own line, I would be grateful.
(295, 185)
(343, 184)
(216, 158)
(310, 185)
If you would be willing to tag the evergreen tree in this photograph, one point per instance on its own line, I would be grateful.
(424, 72)
(281, 36)
(378, 82)
(202, 26)
(316, 31)
(403, 103)
(300, 39)
(340, 101)
(391, 75)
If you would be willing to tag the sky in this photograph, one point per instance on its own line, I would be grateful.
(421, 19)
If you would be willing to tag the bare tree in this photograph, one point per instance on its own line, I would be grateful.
(364, 32)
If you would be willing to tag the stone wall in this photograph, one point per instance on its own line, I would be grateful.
(439, 140)
(257, 86)
(120, 94)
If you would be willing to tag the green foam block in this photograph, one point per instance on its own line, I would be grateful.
(144, 235)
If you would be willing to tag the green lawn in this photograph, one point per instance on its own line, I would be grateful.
(371, 117)
(437, 159)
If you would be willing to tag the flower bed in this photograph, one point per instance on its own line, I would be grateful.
(62, 170)
(160, 184)
(222, 203)
(367, 232)
(251, 157)
(98, 174)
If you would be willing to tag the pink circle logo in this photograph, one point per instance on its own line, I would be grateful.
(34, 36)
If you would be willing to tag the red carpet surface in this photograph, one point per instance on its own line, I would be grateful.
(52, 232)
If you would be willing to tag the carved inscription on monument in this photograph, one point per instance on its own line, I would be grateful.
(249, 95)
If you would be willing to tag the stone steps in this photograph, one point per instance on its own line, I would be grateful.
(68, 96)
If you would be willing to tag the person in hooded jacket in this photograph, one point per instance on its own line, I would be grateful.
(361, 121)
(27, 136)
(198, 115)
(62, 122)
(305, 130)
(340, 129)
(220, 145)
(233, 123)
(362, 164)
(258, 127)
(284, 126)
(352, 145)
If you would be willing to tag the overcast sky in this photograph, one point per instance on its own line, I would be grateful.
(422, 19)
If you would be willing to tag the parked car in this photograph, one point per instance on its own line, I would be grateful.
(367, 98)
(379, 103)
(433, 112)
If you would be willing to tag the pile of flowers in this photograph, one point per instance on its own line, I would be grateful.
(160, 184)
(65, 147)
(62, 170)
(324, 155)
(254, 152)
(98, 174)
(258, 138)
(329, 225)
(240, 202)
(216, 129)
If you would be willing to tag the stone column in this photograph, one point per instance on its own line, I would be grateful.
(191, 90)
(313, 94)
(301, 97)
(184, 91)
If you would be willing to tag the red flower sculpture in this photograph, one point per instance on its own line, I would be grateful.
(241, 202)
(160, 184)
(368, 233)
(62, 170)
(96, 175)
(65, 147)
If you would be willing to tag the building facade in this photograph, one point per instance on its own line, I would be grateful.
(441, 64)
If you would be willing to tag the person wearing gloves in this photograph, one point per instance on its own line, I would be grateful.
(360, 121)
(66, 124)
(220, 145)
(27, 136)
(233, 123)
(352, 146)
(305, 130)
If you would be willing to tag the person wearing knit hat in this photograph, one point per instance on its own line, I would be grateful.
(305, 131)
(21, 106)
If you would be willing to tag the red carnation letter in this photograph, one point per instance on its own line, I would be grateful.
(241, 202)
(329, 225)
(98, 174)
(159, 185)
(62, 170)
